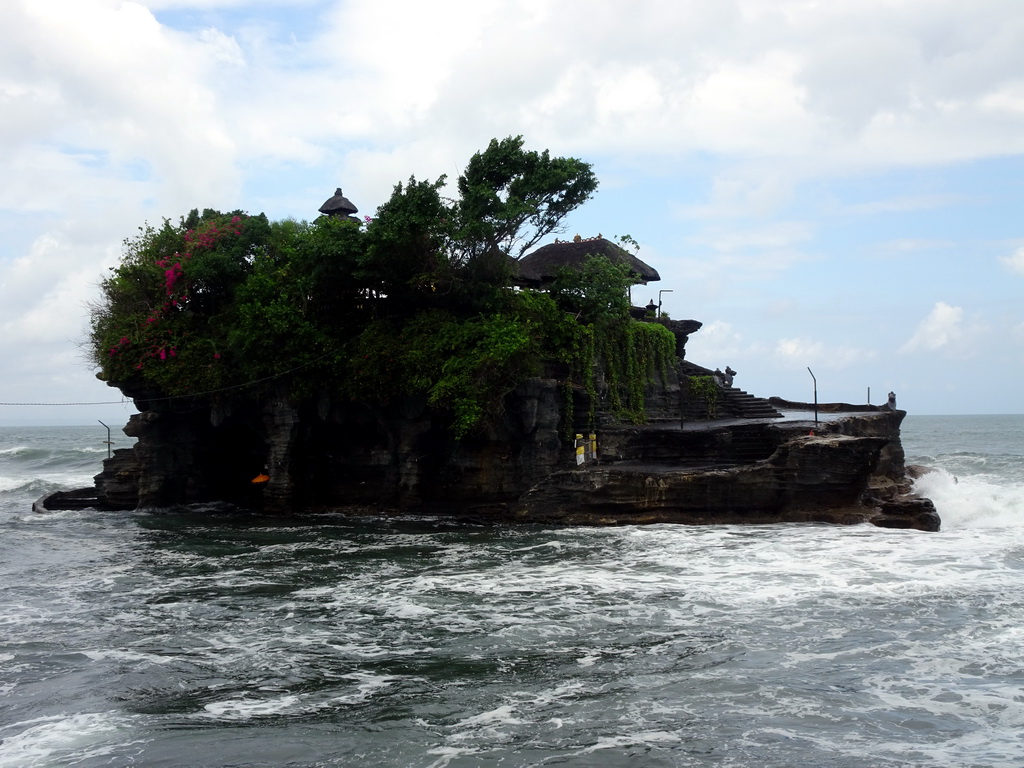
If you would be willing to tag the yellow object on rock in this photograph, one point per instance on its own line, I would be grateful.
(260, 479)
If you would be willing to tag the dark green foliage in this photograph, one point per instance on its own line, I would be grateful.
(596, 293)
(464, 366)
(506, 189)
(301, 301)
(704, 390)
(416, 304)
(631, 354)
(406, 259)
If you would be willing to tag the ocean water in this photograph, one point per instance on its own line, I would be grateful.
(197, 639)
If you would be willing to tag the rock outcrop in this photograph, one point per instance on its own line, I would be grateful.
(739, 462)
(847, 470)
(728, 471)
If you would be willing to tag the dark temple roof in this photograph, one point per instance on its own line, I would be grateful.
(543, 265)
(339, 205)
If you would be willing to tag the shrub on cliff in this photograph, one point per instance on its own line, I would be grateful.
(168, 304)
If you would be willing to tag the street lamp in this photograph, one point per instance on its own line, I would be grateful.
(109, 441)
(815, 393)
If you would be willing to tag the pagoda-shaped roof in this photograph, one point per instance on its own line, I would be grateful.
(543, 265)
(338, 205)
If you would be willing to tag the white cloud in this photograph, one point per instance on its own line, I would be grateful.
(718, 344)
(716, 340)
(903, 204)
(797, 350)
(943, 326)
(773, 236)
(810, 352)
(719, 257)
(159, 5)
(753, 189)
(1015, 261)
(46, 291)
(846, 86)
(99, 88)
(112, 117)
(224, 49)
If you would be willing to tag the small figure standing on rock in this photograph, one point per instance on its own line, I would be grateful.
(891, 405)
(729, 373)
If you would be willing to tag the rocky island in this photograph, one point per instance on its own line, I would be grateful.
(430, 360)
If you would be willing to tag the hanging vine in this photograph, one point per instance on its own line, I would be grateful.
(579, 355)
(705, 390)
(631, 355)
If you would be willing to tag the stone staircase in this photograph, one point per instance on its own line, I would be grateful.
(744, 405)
(732, 402)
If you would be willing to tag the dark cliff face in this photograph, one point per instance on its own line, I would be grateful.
(325, 454)
(845, 471)
(402, 457)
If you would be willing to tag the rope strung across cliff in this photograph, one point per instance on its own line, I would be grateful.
(124, 401)
(55, 405)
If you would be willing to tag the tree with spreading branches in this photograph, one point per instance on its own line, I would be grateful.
(511, 198)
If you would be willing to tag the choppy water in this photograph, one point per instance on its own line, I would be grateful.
(196, 640)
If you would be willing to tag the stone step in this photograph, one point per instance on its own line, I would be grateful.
(745, 405)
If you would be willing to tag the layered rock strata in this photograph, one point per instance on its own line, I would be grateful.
(847, 470)
(705, 456)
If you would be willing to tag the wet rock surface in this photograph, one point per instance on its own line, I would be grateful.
(357, 457)
(850, 470)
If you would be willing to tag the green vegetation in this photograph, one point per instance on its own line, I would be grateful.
(414, 301)
(705, 390)
(511, 198)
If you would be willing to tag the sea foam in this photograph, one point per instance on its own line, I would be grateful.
(973, 501)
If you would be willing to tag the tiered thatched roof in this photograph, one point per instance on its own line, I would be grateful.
(544, 264)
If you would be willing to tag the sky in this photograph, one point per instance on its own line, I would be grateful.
(830, 187)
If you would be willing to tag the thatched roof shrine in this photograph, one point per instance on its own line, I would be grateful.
(544, 264)
(338, 205)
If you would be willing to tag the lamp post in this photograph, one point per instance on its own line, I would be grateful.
(815, 393)
(109, 441)
(666, 290)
